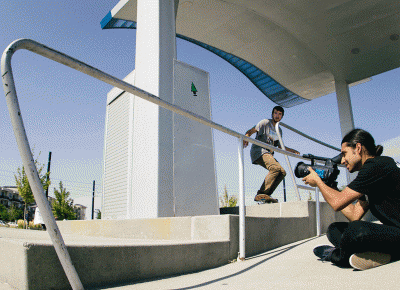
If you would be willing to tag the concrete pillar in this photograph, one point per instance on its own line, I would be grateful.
(152, 168)
(344, 106)
(345, 113)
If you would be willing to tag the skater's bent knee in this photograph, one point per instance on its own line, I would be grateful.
(278, 169)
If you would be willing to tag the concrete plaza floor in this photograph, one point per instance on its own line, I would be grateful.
(292, 266)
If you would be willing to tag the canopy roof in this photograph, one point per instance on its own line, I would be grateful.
(291, 50)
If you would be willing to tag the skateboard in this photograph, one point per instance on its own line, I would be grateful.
(263, 199)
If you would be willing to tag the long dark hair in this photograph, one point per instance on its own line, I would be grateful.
(364, 138)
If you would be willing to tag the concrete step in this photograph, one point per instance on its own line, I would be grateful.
(108, 252)
(32, 262)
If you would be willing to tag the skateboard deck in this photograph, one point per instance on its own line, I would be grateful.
(263, 200)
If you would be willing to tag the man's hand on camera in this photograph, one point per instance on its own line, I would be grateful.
(311, 179)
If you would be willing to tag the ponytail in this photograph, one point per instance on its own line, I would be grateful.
(365, 139)
(378, 150)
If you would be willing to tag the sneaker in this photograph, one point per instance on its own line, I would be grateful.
(368, 260)
(265, 198)
(324, 252)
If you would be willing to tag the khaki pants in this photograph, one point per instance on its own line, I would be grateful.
(275, 175)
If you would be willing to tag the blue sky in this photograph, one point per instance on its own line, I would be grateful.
(64, 110)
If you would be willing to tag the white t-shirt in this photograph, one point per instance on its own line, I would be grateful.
(265, 133)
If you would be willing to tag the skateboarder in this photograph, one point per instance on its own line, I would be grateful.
(266, 133)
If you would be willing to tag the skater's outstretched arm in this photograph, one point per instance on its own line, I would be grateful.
(248, 134)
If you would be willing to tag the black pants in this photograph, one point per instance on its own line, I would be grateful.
(359, 237)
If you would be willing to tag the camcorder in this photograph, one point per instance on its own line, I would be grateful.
(328, 172)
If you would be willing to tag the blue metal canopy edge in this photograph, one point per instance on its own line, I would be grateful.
(267, 85)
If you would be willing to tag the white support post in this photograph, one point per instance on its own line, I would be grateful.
(242, 205)
(152, 169)
(344, 106)
(317, 211)
(345, 112)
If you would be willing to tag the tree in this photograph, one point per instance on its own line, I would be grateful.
(62, 205)
(3, 213)
(24, 188)
(14, 213)
(228, 201)
(98, 214)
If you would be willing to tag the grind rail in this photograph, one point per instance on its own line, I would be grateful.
(297, 186)
(28, 161)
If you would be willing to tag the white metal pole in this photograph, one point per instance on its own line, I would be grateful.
(317, 211)
(31, 171)
(287, 161)
(242, 205)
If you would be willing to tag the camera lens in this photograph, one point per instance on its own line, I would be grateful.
(301, 170)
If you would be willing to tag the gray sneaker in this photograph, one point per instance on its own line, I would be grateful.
(368, 260)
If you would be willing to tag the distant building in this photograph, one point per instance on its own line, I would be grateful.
(80, 211)
(9, 197)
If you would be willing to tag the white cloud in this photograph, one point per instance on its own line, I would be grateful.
(391, 148)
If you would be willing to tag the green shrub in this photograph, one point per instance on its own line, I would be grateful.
(32, 226)
(20, 224)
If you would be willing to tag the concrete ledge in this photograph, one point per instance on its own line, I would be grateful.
(267, 226)
(13, 258)
(108, 252)
(107, 265)
(35, 265)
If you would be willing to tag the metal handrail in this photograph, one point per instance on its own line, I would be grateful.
(287, 160)
(29, 164)
(309, 137)
(27, 158)
(296, 186)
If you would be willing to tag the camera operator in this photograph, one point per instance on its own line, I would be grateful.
(361, 244)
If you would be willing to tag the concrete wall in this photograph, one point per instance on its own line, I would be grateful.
(13, 261)
(109, 252)
(267, 226)
(109, 265)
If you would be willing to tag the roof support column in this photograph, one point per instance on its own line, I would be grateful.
(344, 106)
(152, 167)
(345, 113)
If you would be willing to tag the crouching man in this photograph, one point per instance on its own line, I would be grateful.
(361, 244)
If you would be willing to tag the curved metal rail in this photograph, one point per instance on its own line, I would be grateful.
(27, 158)
(296, 186)
(29, 163)
(287, 160)
(309, 137)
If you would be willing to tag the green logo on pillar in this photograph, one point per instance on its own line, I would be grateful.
(194, 90)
